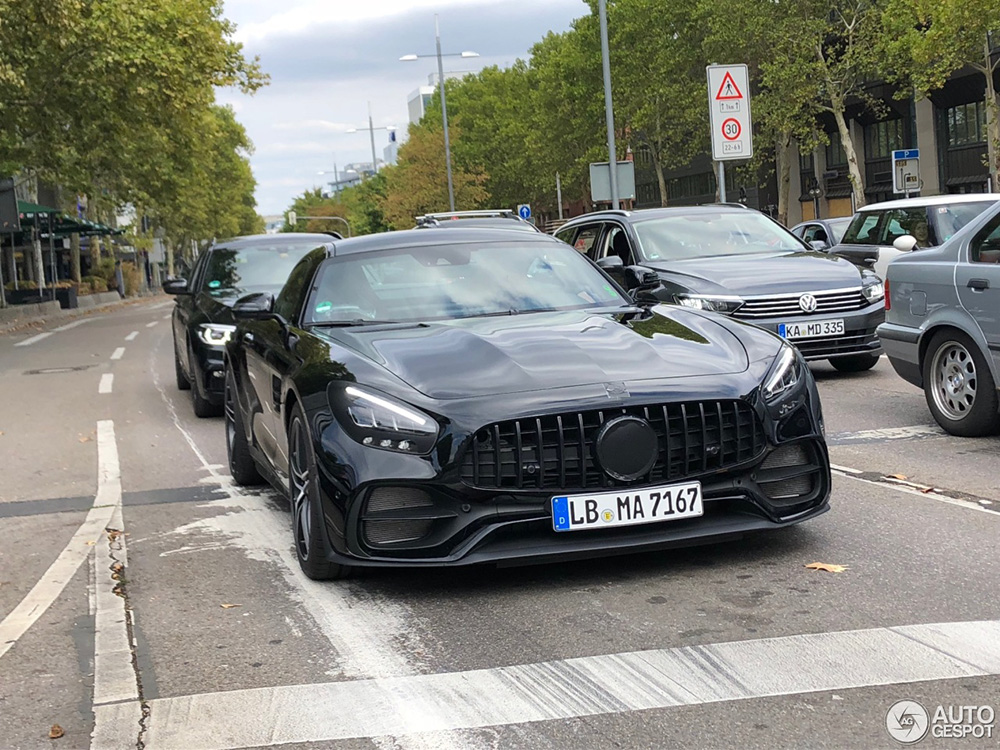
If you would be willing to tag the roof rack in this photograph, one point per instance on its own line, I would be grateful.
(731, 204)
(500, 213)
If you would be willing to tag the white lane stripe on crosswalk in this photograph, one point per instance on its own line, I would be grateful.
(51, 584)
(118, 353)
(34, 339)
(107, 382)
(150, 325)
(587, 686)
(131, 336)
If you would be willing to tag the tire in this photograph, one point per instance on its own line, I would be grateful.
(202, 406)
(958, 386)
(241, 463)
(303, 495)
(855, 363)
(183, 384)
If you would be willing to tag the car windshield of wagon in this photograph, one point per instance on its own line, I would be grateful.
(238, 271)
(704, 234)
(412, 284)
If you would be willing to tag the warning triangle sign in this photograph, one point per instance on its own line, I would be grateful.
(728, 89)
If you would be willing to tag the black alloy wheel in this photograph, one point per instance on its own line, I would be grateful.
(303, 495)
(241, 463)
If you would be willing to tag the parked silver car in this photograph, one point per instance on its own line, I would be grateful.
(869, 240)
(942, 329)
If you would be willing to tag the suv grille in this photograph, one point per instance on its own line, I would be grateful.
(785, 305)
(556, 451)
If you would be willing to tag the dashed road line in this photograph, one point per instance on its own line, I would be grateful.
(54, 580)
(107, 382)
(131, 336)
(572, 688)
(34, 339)
(150, 325)
(168, 316)
(74, 324)
(887, 433)
(118, 353)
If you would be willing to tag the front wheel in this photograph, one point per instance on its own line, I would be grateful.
(855, 363)
(307, 515)
(958, 386)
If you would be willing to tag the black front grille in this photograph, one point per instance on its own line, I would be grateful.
(790, 474)
(855, 342)
(785, 305)
(556, 451)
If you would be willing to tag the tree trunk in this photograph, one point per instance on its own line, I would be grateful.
(854, 170)
(170, 257)
(661, 179)
(992, 123)
(74, 256)
(95, 254)
(39, 263)
(783, 157)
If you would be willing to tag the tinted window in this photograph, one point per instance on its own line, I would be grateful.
(948, 219)
(862, 230)
(706, 233)
(586, 238)
(837, 229)
(457, 281)
(566, 235)
(292, 293)
(986, 246)
(262, 268)
(615, 242)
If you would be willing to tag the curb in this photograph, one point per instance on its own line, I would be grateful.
(22, 316)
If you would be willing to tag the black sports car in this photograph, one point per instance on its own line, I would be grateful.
(448, 397)
(203, 319)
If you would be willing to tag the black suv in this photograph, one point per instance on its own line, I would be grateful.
(739, 262)
(203, 320)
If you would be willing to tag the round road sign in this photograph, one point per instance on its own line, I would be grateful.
(731, 129)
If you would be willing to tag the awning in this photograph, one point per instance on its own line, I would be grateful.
(969, 179)
(63, 225)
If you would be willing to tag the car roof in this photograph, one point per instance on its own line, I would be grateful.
(282, 238)
(645, 214)
(435, 236)
(932, 200)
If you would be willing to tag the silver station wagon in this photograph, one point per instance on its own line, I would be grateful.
(942, 329)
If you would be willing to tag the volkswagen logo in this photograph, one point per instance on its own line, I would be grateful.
(808, 303)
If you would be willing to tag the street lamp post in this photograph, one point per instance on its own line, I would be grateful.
(371, 132)
(609, 115)
(444, 105)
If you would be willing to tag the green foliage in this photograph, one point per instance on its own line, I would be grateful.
(96, 283)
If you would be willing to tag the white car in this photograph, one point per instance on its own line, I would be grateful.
(931, 221)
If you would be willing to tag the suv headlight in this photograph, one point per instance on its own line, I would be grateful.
(215, 334)
(874, 292)
(380, 421)
(726, 305)
(784, 374)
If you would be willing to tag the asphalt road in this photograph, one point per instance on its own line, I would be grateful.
(146, 602)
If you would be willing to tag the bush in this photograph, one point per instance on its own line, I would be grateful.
(22, 284)
(97, 284)
(106, 270)
(132, 277)
(82, 289)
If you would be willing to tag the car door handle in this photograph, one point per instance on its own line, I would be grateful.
(979, 285)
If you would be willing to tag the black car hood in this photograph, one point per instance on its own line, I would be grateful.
(481, 357)
(761, 273)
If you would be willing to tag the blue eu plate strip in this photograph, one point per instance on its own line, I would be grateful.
(560, 513)
(781, 330)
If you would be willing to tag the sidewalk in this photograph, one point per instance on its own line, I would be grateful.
(20, 316)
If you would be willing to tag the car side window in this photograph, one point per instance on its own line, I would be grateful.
(586, 237)
(986, 246)
(815, 232)
(862, 230)
(616, 242)
(194, 283)
(566, 235)
(900, 221)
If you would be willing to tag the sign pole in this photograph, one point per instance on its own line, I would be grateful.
(609, 115)
(559, 196)
(722, 182)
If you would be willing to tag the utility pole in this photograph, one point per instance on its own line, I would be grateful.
(559, 195)
(609, 115)
(444, 114)
(371, 133)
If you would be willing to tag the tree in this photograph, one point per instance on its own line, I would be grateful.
(418, 183)
(926, 41)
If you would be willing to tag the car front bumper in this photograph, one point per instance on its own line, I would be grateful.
(860, 336)
(209, 371)
(902, 346)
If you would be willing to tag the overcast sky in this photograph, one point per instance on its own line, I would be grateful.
(328, 58)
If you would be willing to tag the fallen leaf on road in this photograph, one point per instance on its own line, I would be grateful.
(828, 567)
(112, 534)
(925, 490)
(230, 606)
(91, 544)
(85, 439)
(901, 477)
(56, 732)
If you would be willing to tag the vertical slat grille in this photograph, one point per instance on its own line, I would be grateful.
(557, 451)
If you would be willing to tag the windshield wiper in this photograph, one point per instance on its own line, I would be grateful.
(358, 322)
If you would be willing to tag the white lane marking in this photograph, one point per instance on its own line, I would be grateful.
(107, 381)
(74, 324)
(162, 305)
(131, 336)
(572, 688)
(910, 489)
(168, 316)
(118, 353)
(887, 433)
(51, 584)
(34, 339)
(845, 469)
(150, 325)
(114, 676)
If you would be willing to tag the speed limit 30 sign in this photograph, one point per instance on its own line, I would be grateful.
(729, 109)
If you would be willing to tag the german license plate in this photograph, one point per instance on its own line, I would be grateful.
(812, 329)
(599, 510)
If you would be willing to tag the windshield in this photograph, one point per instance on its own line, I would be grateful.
(251, 269)
(703, 233)
(457, 281)
(837, 228)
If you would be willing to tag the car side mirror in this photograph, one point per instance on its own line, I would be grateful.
(257, 306)
(176, 286)
(819, 245)
(641, 279)
(905, 243)
(611, 263)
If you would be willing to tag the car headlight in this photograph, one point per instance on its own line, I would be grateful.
(874, 292)
(726, 305)
(215, 334)
(784, 374)
(380, 421)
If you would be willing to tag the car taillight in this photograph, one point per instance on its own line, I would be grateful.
(888, 297)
